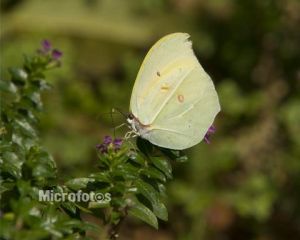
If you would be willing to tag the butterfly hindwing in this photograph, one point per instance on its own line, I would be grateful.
(184, 120)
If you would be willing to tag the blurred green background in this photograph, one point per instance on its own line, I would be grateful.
(246, 183)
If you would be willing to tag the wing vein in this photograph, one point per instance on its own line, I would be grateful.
(188, 109)
(169, 130)
(171, 95)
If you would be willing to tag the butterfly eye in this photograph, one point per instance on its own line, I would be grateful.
(130, 116)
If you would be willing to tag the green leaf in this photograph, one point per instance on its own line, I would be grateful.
(144, 146)
(78, 183)
(12, 164)
(100, 177)
(160, 211)
(153, 196)
(19, 76)
(98, 205)
(24, 187)
(42, 171)
(6, 186)
(25, 127)
(118, 187)
(175, 155)
(163, 165)
(162, 190)
(126, 171)
(70, 206)
(137, 158)
(41, 84)
(8, 86)
(143, 213)
(121, 159)
(147, 191)
(83, 209)
(153, 173)
(35, 99)
(40, 165)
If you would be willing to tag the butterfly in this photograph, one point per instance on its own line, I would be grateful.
(173, 101)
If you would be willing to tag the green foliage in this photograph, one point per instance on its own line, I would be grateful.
(129, 180)
(245, 184)
(133, 180)
(26, 167)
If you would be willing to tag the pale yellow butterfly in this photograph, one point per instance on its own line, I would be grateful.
(173, 101)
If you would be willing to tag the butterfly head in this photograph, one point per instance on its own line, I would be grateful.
(132, 123)
(137, 128)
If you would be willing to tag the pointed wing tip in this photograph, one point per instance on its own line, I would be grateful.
(183, 35)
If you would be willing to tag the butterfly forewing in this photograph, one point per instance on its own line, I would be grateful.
(164, 67)
(173, 95)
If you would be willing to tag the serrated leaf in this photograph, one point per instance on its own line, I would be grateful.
(163, 165)
(143, 213)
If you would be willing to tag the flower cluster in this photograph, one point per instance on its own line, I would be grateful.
(109, 143)
(209, 132)
(46, 49)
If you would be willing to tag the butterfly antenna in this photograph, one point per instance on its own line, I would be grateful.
(121, 112)
(104, 114)
(113, 122)
(113, 110)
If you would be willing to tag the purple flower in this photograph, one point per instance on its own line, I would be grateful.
(117, 143)
(108, 142)
(56, 54)
(46, 46)
(45, 49)
(102, 148)
(209, 132)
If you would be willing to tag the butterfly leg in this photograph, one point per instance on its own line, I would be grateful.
(128, 135)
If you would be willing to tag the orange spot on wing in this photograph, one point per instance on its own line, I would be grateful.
(164, 87)
(180, 98)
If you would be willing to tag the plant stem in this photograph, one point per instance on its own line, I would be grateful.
(115, 228)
